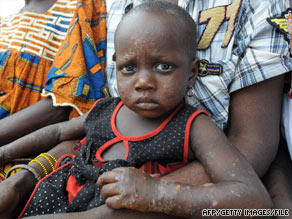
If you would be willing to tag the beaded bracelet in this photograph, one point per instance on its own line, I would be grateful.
(23, 166)
(47, 159)
(41, 164)
(51, 156)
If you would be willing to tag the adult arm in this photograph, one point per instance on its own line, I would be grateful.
(32, 118)
(43, 139)
(15, 190)
(254, 124)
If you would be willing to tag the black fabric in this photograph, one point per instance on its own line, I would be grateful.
(165, 147)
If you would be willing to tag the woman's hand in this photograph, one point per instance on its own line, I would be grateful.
(9, 199)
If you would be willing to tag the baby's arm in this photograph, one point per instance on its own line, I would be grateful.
(235, 183)
(43, 139)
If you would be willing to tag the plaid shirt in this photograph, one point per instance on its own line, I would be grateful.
(251, 50)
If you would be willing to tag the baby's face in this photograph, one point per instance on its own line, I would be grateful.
(153, 70)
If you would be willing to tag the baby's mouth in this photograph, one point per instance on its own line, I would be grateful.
(146, 103)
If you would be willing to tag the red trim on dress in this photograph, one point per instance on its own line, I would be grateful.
(187, 132)
(93, 105)
(82, 141)
(57, 164)
(104, 147)
(126, 143)
(109, 144)
(141, 137)
(126, 139)
(36, 187)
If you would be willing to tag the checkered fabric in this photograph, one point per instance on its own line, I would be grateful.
(251, 50)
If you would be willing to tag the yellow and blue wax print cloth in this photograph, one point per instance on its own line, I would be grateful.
(77, 76)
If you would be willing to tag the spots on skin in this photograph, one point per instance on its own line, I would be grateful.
(132, 202)
(214, 203)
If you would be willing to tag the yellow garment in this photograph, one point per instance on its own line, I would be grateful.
(80, 61)
(29, 42)
(4, 169)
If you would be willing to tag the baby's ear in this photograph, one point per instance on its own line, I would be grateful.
(194, 72)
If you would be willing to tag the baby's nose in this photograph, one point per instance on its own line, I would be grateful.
(145, 81)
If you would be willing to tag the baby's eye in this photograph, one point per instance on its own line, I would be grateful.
(164, 67)
(128, 69)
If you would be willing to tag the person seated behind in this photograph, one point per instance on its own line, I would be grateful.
(150, 125)
(248, 126)
(56, 53)
(53, 49)
(29, 41)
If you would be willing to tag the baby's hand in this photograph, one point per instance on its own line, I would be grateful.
(127, 187)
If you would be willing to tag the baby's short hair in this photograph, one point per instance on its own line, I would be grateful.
(183, 22)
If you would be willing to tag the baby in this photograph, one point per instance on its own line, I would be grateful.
(149, 131)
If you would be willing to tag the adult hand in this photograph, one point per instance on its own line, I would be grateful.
(13, 193)
(127, 187)
(9, 199)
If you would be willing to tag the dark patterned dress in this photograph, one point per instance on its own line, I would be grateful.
(72, 187)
